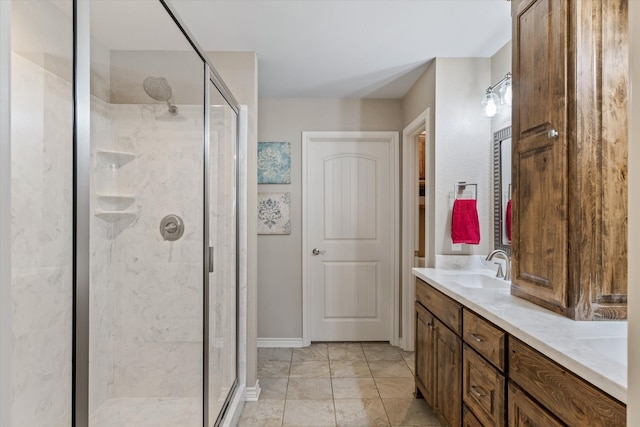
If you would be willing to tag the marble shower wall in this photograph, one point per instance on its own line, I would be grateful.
(148, 310)
(42, 189)
(101, 296)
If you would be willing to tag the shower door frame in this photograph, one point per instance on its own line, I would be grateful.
(5, 212)
(82, 212)
(210, 79)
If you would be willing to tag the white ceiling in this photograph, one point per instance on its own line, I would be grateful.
(347, 48)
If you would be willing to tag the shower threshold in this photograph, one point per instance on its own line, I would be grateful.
(148, 412)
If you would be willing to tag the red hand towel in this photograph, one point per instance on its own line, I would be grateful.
(507, 220)
(465, 227)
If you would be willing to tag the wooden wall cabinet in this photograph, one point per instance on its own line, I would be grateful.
(438, 353)
(569, 195)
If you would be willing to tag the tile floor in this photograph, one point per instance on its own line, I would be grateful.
(336, 384)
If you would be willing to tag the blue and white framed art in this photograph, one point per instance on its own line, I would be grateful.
(274, 213)
(274, 163)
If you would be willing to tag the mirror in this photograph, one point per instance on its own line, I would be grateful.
(502, 189)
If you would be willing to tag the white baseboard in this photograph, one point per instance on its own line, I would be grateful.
(280, 342)
(252, 394)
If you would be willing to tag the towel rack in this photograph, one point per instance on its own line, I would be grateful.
(460, 190)
(509, 196)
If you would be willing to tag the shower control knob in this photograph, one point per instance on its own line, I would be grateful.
(171, 227)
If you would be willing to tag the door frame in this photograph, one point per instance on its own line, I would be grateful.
(392, 138)
(410, 219)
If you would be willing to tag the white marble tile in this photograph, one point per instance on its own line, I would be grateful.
(146, 412)
(41, 246)
(154, 286)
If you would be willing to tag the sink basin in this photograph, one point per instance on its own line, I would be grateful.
(612, 347)
(476, 280)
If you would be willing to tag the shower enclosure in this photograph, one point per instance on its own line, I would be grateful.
(124, 219)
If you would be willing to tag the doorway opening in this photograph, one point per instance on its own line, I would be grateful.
(417, 215)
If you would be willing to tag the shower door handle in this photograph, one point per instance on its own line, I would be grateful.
(210, 259)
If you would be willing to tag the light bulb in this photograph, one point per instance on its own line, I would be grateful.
(490, 105)
(506, 94)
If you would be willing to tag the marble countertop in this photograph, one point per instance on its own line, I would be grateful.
(595, 351)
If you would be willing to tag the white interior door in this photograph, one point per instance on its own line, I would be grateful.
(350, 243)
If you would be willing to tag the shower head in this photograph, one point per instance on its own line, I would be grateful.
(158, 88)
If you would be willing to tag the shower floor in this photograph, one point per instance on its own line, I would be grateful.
(148, 412)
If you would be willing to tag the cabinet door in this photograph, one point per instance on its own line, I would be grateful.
(468, 419)
(540, 164)
(425, 354)
(448, 376)
(524, 412)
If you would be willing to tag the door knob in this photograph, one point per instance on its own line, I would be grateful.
(317, 251)
(552, 134)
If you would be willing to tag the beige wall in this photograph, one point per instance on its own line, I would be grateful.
(634, 220)
(452, 89)
(501, 65)
(421, 96)
(280, 256)
(239, 70)
(463, 147)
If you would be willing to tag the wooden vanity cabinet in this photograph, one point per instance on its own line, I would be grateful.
(438, 353)
(569, 182)
(474, 374)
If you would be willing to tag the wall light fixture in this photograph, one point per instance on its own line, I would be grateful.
(492, 103)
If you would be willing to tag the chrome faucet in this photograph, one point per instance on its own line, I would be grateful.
(507, 262)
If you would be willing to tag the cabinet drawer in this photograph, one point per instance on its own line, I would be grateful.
(524, 412)
(468, 419)
(444, 308)
(483, 389)
(571, 399)
(484, 337)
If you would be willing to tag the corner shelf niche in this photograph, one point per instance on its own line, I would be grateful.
(115, 159)
(113, 216)
(110, 205)
(114, 202)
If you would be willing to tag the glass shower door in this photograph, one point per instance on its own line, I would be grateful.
(222, 280)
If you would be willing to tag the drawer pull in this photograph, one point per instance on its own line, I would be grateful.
(478, 338)
(477, 391)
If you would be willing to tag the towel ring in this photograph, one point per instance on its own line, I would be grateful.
(460, 187)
